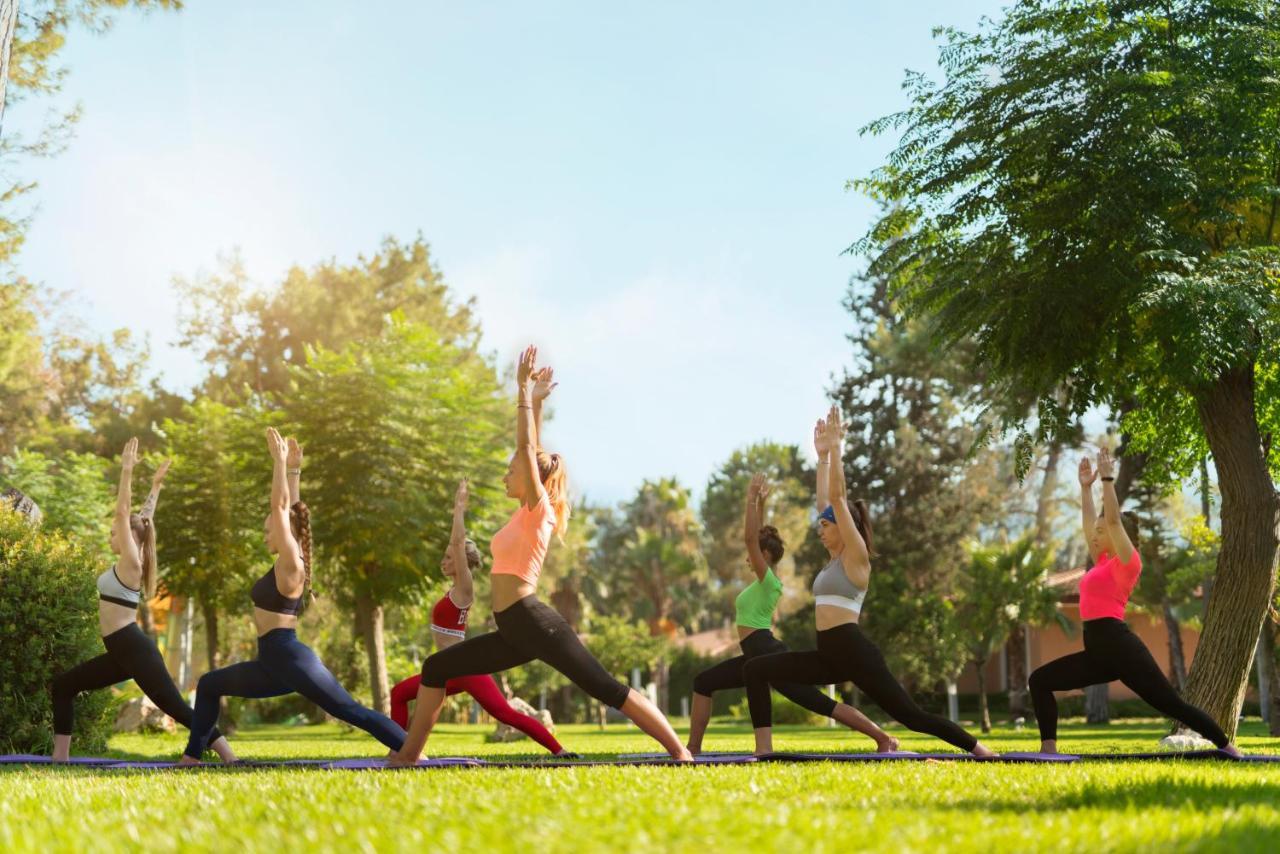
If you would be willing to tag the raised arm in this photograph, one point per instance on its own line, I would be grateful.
(293, 471)
(1121, 546)
(757, 491)
(526, 462)
(822, 445)
(148, 510)
(289, 560)
(543, 384)
(463, 587)
(1088, 515)
(129, 557)
(855, 557)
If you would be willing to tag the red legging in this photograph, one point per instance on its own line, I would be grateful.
(487, 693)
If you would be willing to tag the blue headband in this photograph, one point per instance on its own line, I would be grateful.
(829, 514)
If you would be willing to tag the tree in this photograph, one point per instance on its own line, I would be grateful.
(250, 338)
(622, 645)
(214, 503)
(72, 491)
(1091, 198)
(652, 552)
(1002, 587)
(390, 425)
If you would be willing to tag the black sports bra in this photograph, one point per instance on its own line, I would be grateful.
(267, 596)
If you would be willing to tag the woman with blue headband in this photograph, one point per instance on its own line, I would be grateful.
(844, 653)
(754, 607)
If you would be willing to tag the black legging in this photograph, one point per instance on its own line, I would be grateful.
(845, 654)
(130, 655)
(527, 630)
(284, 665)
(728, 674)
(1112, 651)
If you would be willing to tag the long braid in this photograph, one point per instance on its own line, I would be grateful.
(300, 522)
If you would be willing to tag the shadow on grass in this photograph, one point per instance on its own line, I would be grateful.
(1120, 794)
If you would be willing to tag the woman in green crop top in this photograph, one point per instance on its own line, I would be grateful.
(755, 606)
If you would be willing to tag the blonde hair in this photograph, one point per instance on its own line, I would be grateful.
(144, 534)
(556, 482)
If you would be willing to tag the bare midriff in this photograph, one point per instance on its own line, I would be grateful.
(829, 616)
(112, 617)
(744, 631)
(267, 621)
(508, 590)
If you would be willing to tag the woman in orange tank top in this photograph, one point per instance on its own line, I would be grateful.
(529, 630)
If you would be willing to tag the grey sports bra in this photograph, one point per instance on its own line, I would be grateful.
(112, 589)
(833, 587)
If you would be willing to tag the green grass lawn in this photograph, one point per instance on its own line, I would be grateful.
(900, 806)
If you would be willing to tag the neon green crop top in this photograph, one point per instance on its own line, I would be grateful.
(756, 602)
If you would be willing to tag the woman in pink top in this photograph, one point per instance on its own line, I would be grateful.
(529, 630)
(1111, 650)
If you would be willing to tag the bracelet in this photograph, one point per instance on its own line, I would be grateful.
(294, 471)
(1107, 479)
(523, 406)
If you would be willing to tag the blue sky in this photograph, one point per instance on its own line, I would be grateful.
(653, 194)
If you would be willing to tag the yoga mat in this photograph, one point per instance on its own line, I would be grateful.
(635, 760)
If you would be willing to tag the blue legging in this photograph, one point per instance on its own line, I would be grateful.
(284, 665)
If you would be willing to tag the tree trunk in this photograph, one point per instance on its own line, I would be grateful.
(1097, 708)
(369, 620)
(1269, 637)
(210, 614)
(1177, 659)
(8, 24)
(1245, 577)
(984, 713)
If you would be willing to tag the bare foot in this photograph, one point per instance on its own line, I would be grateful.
(1233, 751)
(683, 755)
(888, 744)
(396, 760)
(983, 751)
(694, 751)
(1049, 747)
(187, 760)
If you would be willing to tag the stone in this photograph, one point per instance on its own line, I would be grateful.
(142, 715)
(1182, 742)
(504, 733)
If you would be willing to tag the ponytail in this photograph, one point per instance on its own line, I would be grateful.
(555, 481)
(144, 534)
(862, 521)
(300, 525)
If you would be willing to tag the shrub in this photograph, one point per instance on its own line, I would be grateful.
(785, 712)
(48, 624)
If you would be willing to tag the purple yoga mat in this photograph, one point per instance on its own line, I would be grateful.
(711, 757)
(1162, 755)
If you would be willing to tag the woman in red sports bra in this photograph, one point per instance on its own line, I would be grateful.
(529, 630)
(1111, 650)
(449, 627)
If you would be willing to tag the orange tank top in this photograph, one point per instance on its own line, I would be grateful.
(521, 546)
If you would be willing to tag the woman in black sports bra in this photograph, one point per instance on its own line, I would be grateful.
(285, 665)
(130, 653)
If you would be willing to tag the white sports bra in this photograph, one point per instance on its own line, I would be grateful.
(112, 589)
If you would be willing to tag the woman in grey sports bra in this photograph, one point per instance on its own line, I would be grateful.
(844, 653)
(130, 653)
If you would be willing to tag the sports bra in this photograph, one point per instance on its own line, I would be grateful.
(267, 596)
(448, 619)
(112, 589)
(833, 587)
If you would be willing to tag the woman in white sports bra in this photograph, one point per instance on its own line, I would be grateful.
(130, 653)
(844, 653)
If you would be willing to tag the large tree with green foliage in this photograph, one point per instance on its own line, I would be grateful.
(1091, 196)
(390, 425)
(72, 490)
(212, 510)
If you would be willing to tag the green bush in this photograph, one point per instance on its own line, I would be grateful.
(48, 623)
(785, 712)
